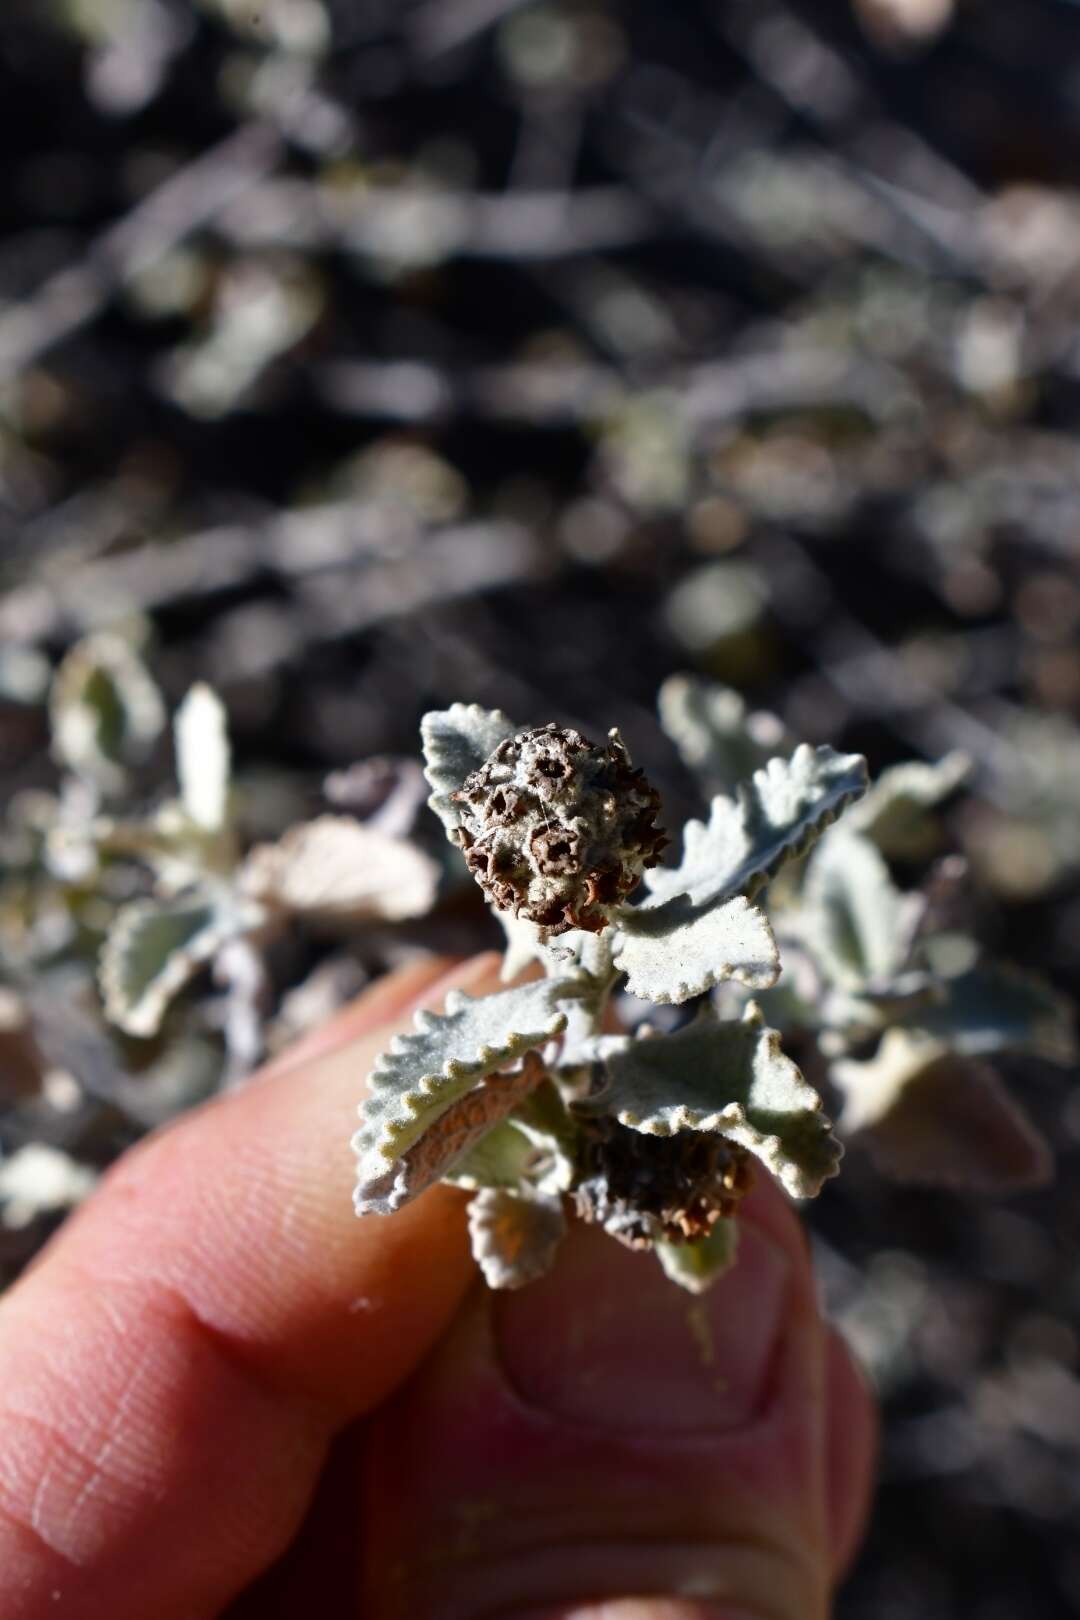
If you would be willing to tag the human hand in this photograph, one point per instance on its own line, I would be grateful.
(222, 1395)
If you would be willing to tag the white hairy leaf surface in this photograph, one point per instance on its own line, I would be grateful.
(696, 1266)
(155, 946)
(522, 945)
(729, 1077)
(535, 1148)
(416, 1080)
(895, 812)
(105, 710)
(994, 1007)
(852, 915)
(338, 868)
(932, 1117)
(774, 817)
(514, 1238)
(457, 741)
(674, 951)
(467, 1125)
(717, 737)
(501, 1158)
(201, 739)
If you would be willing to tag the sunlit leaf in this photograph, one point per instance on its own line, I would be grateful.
(155, 946)
(457, 741)
(696, 1266)
(775, 816)
(105, 709)
(338, 868)
(852, 915)
(417, 1079)
(895, 814)
(203, 757)
(514, 1237)
(729, 1077)
(719, 739)
(674, 951)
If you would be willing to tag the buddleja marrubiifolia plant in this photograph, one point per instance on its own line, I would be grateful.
(526, 1099)
(521, 1097)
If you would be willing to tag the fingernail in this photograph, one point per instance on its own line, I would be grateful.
(607, 1339)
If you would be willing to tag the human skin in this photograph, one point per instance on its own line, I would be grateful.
(221, 1395)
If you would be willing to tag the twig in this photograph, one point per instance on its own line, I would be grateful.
(187, 200)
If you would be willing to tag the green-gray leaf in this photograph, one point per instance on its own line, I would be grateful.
(464, 1128)
(730, 1077)
(105, 709)
(775, 816)
(533, 1150)
(201, 737)
(457, 741)
(993, 1008)
(696, 1266)
(155, 946)
(852, 915)
(422, 1074)
(894, 813)
(710, 725)
(674, 951)
(514, 1238)
(934, 1118)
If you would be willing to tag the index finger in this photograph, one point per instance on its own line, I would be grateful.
(172, 1372)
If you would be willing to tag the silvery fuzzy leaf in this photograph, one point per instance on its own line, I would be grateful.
(337, 868)
(718, 739)
(533, 1150)
(105, 709)
(37, 1180)
(727, 1077)
(994, 1007)
(501, 1158)
(678, 950)
(774, 817)
(696, 1266)
(845, 1018)
(522, 945)
(203, 757)
(514, 1239)
(932, 1117)
(457, 741)
(580, 951)
(461, 1130)
(423, 1073)
(852, 916)
(154, 947)
(894, 812)
(544, 1118)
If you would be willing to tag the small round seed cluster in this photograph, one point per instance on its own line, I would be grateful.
(643, 1189)
(557, 830)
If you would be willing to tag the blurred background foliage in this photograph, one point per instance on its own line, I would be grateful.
(358, 355)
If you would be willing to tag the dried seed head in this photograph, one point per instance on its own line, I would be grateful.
(557, 830)
(645, 1188)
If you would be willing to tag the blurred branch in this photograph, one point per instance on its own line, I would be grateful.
(374, 561)
(556, 394)
(72, 297)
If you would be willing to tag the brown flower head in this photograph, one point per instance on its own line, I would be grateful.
(643, 1189)
(557, 830)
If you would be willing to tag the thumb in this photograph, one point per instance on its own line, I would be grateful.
(602, 1444)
